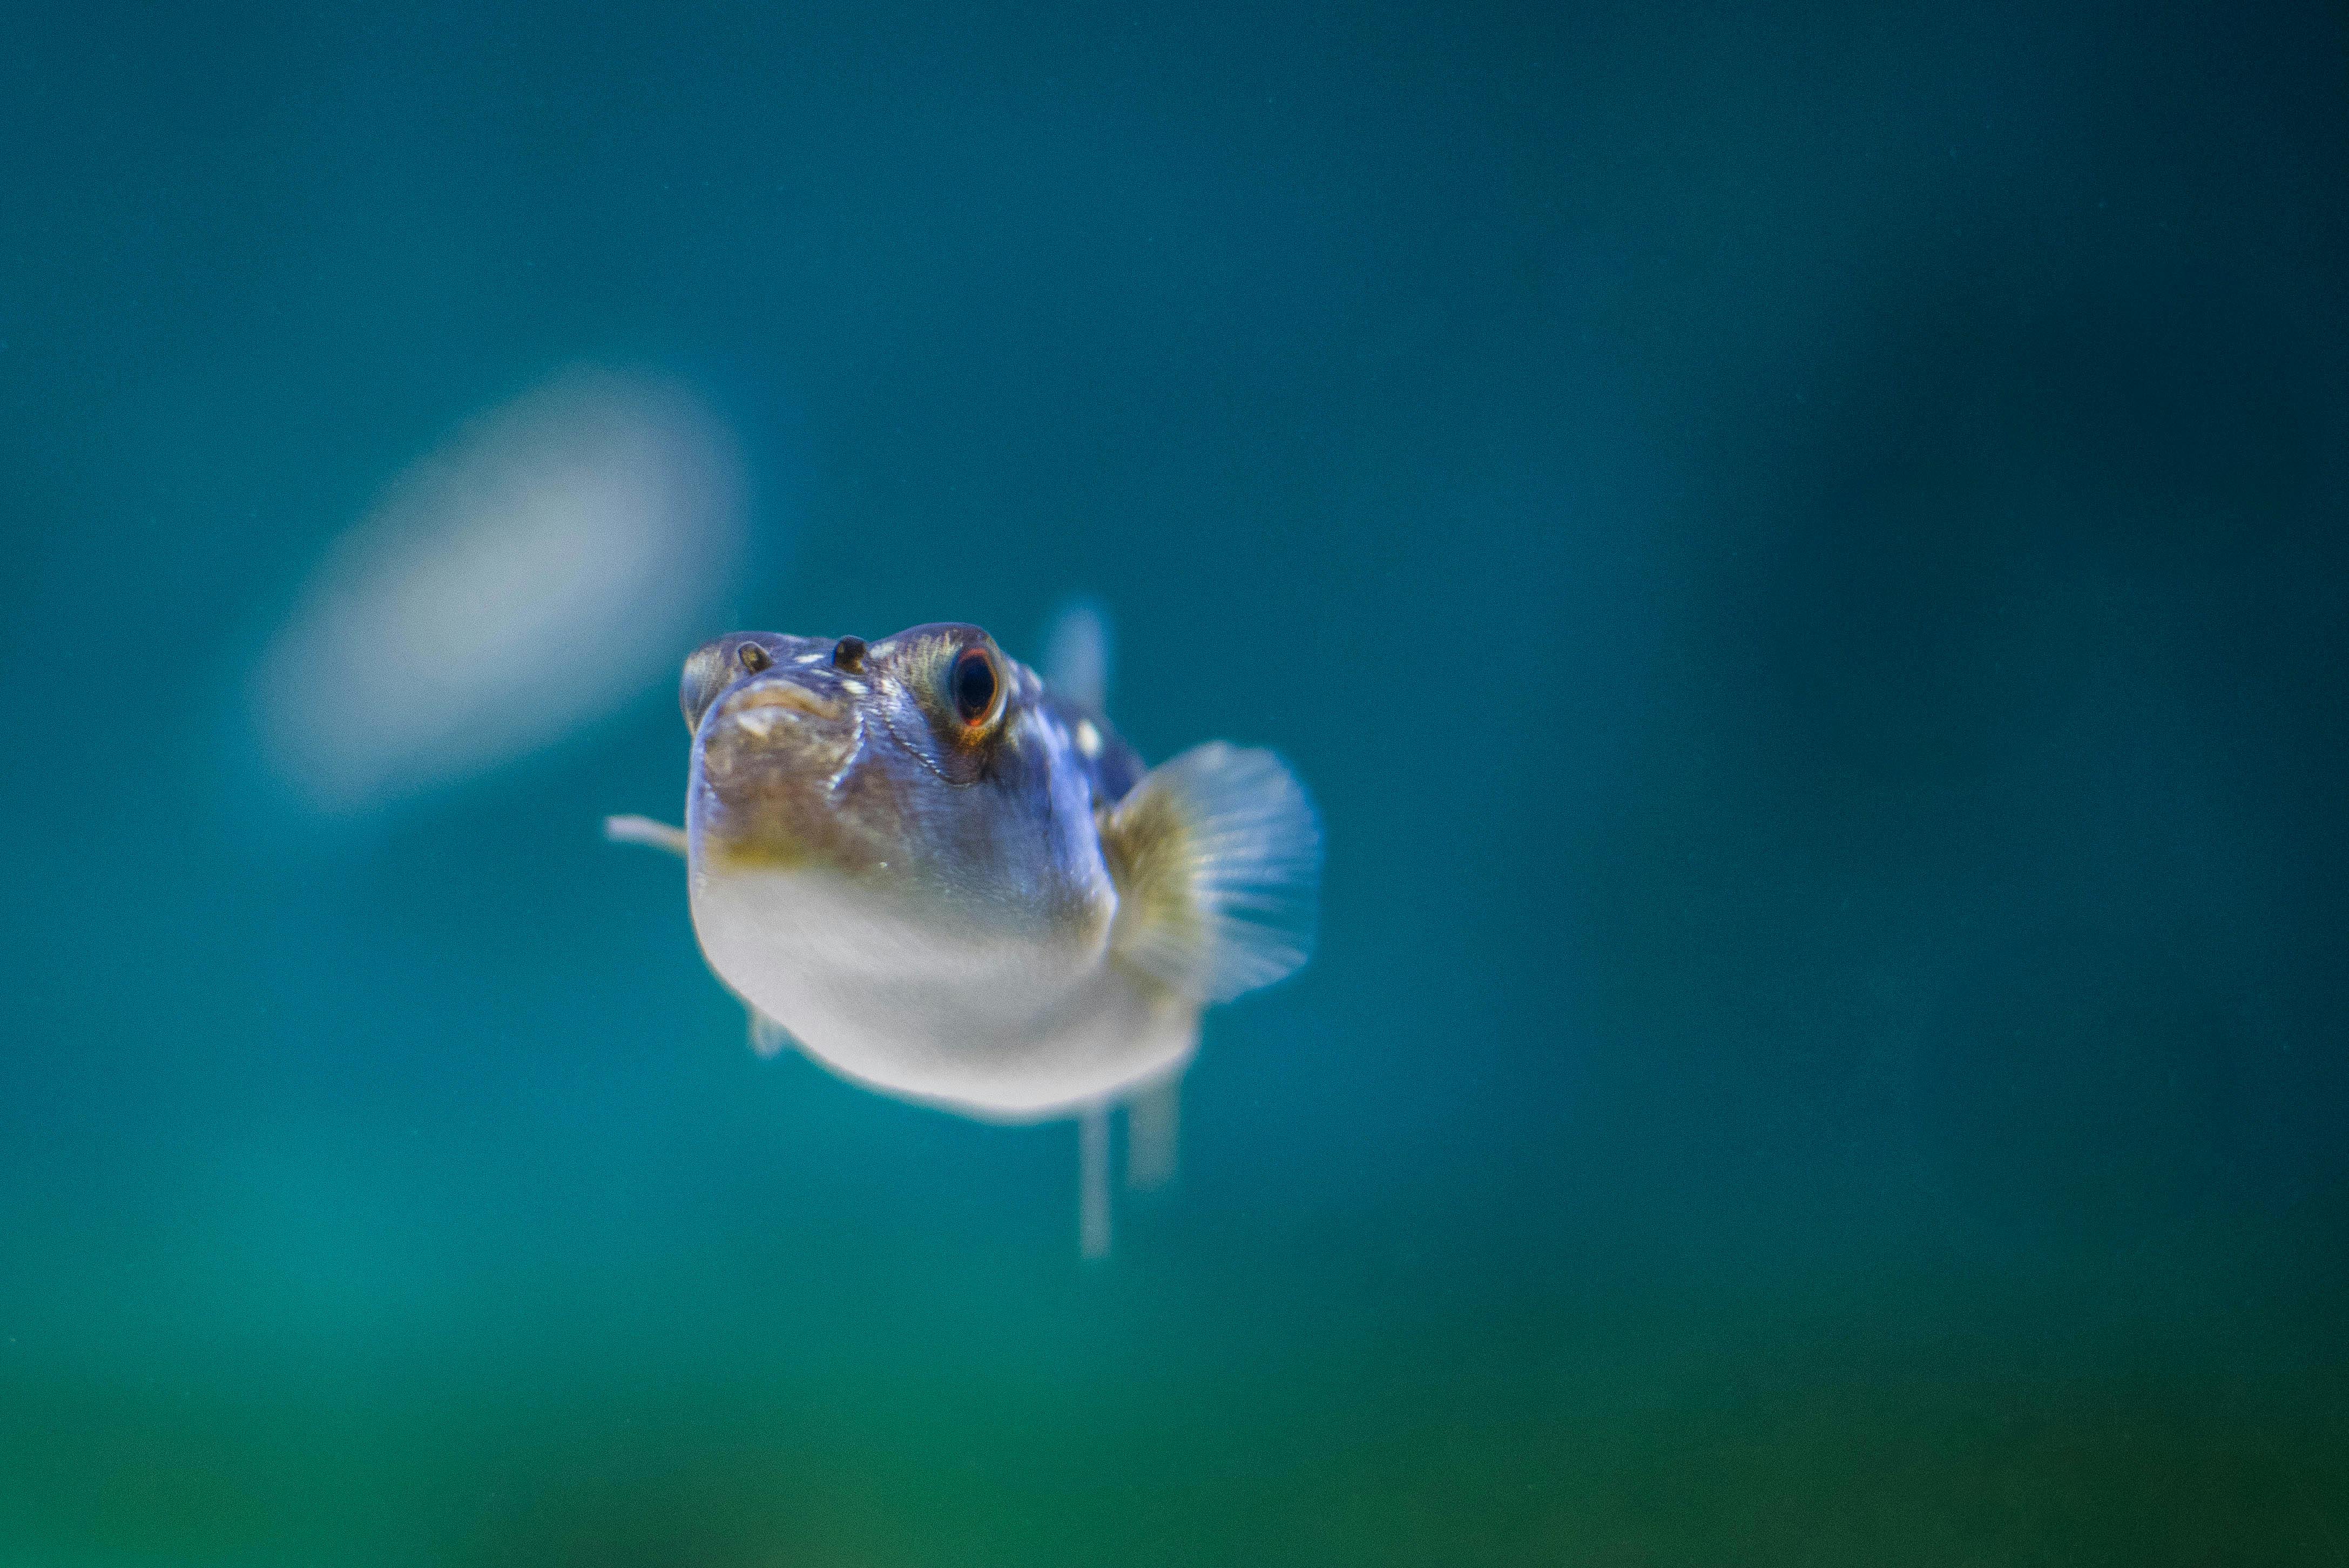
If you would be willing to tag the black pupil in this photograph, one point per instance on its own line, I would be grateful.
(974, 686)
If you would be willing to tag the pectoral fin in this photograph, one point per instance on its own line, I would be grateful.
(646, 831)
(1218, 859)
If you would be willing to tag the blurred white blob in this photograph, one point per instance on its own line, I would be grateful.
(546, 563)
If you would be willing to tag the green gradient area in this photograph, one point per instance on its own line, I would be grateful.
(1331, 1432)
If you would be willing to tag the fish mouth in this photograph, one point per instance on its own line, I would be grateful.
(762, 707)
(769, 755)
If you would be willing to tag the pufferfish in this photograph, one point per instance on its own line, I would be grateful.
(949, 879)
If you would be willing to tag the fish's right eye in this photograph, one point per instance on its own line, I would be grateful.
(752, 657)
(974, 685)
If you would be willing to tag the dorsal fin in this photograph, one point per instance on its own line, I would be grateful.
(1076, 655)
(1217, 861)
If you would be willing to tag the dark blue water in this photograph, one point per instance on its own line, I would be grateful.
(1801, 551)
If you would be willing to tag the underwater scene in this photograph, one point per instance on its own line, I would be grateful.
(913, 784)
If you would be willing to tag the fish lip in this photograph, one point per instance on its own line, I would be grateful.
(761, 765)
(773, 691)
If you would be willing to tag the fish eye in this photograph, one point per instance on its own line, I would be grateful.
(848, 655)
(973, 683)
(753, 658)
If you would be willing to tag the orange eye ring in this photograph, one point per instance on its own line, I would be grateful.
(974, 687)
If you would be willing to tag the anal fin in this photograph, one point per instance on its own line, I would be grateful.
(768, 1038)
(1092, 1180)
(1154, 1124)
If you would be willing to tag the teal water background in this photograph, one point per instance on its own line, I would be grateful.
(1799, 549)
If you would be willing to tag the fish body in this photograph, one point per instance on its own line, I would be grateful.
(948, 879)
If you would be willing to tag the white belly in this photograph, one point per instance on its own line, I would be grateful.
(1009, 1028)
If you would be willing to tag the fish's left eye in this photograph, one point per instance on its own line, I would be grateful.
(973, 683)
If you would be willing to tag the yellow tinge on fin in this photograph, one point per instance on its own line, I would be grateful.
(1217, 860)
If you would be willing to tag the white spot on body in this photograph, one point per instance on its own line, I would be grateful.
(1089, 740)
(882, 650)
(854, 688)
(806, 658)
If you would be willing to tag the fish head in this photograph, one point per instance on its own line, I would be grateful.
(916, 781)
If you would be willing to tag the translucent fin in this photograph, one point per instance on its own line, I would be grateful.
(1092, 1180)
(1217, 858)
(1076, 655)
(767, 1037)
(1154, 1124)
(646, 831)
